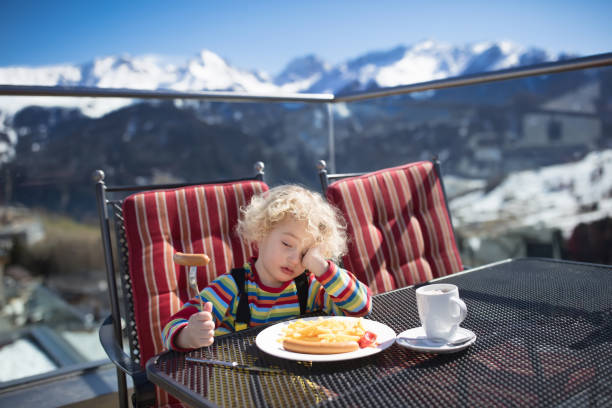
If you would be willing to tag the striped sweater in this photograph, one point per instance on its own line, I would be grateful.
(335, 292)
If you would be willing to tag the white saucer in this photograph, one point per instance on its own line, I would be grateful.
(415, 339)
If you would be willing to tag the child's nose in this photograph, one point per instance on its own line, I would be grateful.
(294, 257)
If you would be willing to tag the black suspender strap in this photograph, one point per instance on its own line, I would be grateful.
(243, 314)
(301, 284)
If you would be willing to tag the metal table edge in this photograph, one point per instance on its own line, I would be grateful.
(177, 390)
(514, 260)
(563, 261)
(442, 278)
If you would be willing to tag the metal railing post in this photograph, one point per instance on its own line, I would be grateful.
(331, 143)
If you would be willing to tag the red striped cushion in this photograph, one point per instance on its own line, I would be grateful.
(197, 219)
(400, 232)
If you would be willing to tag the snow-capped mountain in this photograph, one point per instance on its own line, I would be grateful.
(424, 61)
(301, 73)
(206, 71)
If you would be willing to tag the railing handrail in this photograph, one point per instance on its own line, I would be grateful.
(79, 91)
(593, 61)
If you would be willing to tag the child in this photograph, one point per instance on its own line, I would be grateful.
(294, 232)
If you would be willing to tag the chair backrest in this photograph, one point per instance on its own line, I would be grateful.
(398, 223)
(196, 219)
(154, 224)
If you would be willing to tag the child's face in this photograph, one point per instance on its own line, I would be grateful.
(281, 253)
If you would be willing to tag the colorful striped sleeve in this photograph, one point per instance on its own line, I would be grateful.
(338, 292)
(222, 293)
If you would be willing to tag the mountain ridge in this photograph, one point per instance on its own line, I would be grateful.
(207, 71)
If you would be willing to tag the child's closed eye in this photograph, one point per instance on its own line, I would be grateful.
(286, 244)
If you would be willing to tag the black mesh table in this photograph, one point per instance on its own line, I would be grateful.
(544, 332)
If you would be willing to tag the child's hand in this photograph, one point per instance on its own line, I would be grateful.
(200, 331)
(314, 261)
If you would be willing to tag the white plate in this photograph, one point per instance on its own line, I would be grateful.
(406, 339)
(267, 340)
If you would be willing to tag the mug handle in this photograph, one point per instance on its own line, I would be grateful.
(462, 309)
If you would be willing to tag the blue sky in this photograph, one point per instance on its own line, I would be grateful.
(266, 35)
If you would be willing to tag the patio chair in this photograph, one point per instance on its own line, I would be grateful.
(140, 233)
(398, 222)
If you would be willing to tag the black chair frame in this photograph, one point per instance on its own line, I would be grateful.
(110, 211)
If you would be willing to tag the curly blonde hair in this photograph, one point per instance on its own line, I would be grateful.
(323, 222)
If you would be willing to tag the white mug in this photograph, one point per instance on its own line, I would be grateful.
(440, 310)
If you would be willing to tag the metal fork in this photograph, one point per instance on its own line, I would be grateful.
(192, 261)
(193, 282)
